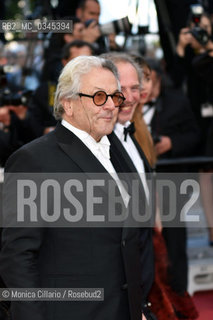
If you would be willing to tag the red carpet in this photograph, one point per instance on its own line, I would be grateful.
(204, 303)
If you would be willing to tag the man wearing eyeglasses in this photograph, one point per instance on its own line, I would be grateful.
(122, 140)
(86, 100)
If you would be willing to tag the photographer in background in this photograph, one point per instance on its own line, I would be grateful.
(194, 61)
(88, 11)
(17, 126)
(193, 49)
(197, 36)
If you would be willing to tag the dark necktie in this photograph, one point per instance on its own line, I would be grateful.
(130, 129)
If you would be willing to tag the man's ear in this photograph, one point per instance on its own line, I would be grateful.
(68, 107)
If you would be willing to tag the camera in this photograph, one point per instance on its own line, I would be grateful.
(8, 98)
(201, 35)
(116, 26)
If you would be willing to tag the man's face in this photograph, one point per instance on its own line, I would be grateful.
(130, 87)
(76, 52)
(91, 11)
(84, 114)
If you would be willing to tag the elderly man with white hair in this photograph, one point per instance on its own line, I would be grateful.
(87, 100)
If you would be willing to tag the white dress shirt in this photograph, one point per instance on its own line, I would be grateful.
(133, 153)
(101, 151)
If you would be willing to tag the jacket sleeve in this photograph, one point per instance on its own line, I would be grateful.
(20, 249)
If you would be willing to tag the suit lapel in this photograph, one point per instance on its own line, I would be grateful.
(120, 155)
(142, 155)
(77, 151)
(124, 165)
(80, 154)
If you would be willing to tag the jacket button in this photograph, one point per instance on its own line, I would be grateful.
(124, 286)
(123, 243)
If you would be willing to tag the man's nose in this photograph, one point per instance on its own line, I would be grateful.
(128, 95)
(109, 104)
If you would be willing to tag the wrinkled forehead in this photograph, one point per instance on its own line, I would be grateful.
(127, 74)
(99, 78)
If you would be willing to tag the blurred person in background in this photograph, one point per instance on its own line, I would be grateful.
(142, 133)
(17, 127)
(170, 118)
(88, 11)
(172, 305)
(52, 55)
(203, 65)
(17, 123)
(194, 44)
(194, 62)
(175, 134)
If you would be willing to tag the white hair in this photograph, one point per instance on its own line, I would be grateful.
(70, 79)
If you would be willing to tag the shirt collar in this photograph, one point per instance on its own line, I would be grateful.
(103, 145)
(119, 129)
(78, 132)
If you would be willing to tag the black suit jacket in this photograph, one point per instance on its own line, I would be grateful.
(114, 259)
